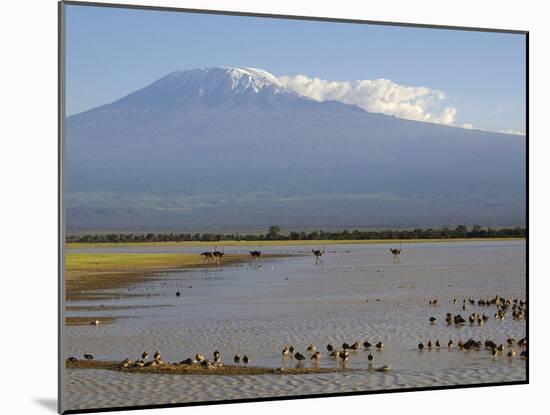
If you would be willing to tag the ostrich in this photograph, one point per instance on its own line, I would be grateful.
(208, 256)
(218, 255)
(256, 254)
(318, 254)
(396, 252)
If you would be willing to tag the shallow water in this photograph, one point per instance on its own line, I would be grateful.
(358, 293)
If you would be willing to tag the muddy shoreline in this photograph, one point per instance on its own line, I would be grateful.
(197, 369)
(92, 283)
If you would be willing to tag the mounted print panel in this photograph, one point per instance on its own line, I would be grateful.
(270, 207)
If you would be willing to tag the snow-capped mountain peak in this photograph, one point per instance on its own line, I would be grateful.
(253, 78)
(218, 86)
(234, 78)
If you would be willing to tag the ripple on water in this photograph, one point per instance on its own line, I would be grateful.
(241, 309)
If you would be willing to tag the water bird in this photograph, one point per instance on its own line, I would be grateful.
(199, 357)
(187, 361)
(216, 354)
(291, 350)
(285, 352)
(205, 363)
(95, 323)
(156, 355)
(370, 357)
(330, 348)
(335, 354)
(344, 356)
(458, 320)
(316, 356)
(379, 345)
(367, 345)
(384, 368)
(72, 359)
(489, 345)
(139, 363)
(420, 346)
(245, 359)
(237, 358)
(430, 344)
(126, 363)
(355, 346)
(437, 344)
(432, 320)
(144, 355)
(152, 363)
(88, 356)
(450, 344)
(511, 354)
(312, 348)
(299, 357)
(523, 355)
(345, 346)
(500, 348)
(178, 293)
(494, 351)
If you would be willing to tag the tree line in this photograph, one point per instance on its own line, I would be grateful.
(274, 233)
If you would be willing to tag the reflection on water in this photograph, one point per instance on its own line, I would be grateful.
(256, 308)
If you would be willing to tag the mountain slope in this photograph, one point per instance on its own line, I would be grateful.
(232, 148)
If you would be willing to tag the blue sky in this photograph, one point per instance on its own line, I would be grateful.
(112, 52)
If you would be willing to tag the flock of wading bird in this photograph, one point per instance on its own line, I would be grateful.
(343, 355)
(289, 352)
(504, 306)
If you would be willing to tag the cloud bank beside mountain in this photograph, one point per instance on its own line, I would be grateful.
(381, 96)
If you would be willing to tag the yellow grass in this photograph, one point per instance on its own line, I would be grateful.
(78, 245)
(128, 261)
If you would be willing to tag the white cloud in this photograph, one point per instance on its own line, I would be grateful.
(378, 95)
(512, 131)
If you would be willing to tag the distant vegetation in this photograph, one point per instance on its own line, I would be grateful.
(274, 233)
